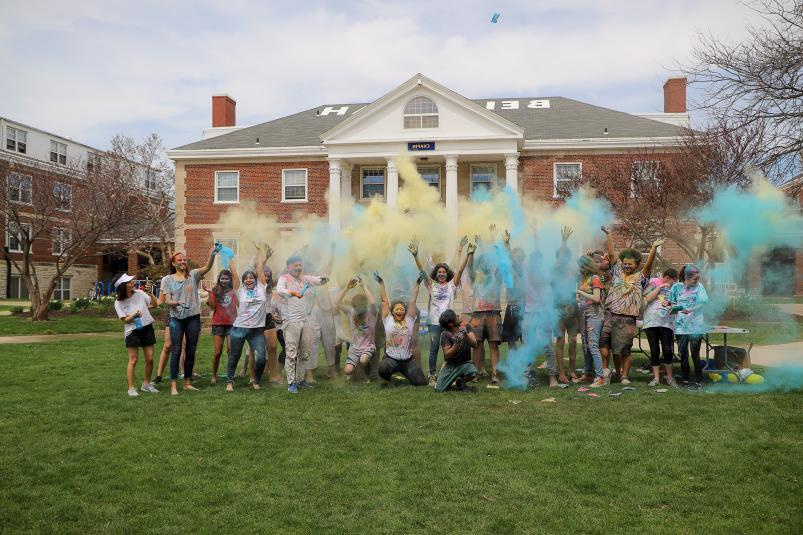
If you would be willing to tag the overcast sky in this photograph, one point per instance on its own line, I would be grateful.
(91, 69)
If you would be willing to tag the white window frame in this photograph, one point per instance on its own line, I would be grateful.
(61, 158)
(8, 238)
(384, 183)
(9, 188)
(555, 176)
(59, 198)
(438, 169)
(420, 116)
(494, 182)
(64, 239)
(306, 186)
(633, 175)
(20, 284)
(234, 245)
(59, 288)
(217, 201)
(12, 134)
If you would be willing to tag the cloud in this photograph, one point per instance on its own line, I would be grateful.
(92, 69)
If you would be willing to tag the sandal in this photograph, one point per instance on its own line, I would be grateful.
(495, 380)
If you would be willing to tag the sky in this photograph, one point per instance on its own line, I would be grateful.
(93, 69)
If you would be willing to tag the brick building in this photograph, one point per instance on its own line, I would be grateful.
(314, 160)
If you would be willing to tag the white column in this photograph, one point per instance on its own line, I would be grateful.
(451, 187)
(392, 195)
(345, 182)
(512, 171)
(334, 194)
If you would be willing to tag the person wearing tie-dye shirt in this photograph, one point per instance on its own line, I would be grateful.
(623, 306)
(687, 299)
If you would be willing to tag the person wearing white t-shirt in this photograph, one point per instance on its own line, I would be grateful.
(442, 285)
(250, 322)
(132, 308)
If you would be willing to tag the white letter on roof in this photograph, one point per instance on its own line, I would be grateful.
(490, 105)
(510, 105)
(538, 104)
(339, 111)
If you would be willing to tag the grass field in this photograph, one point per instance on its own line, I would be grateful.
(79, 456)
(74, 323)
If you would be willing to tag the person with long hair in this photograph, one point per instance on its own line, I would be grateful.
(442, 285)
(167, 346)
(132, 307)
(659, 325)
(249, 325)
(688, 299)
(223, 302)
(362, 321)
(589, 304)
(399, 322)
(180, 290)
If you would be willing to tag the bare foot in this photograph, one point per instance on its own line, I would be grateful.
(563, 379)
(229, 387)
(255, 386)
(173, 392)
(553, 381)
(278, 380)
(189, 387)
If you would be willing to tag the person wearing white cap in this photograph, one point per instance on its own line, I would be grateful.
(132, 308)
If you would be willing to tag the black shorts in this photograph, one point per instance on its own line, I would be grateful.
(144, 337)
(511, 325)
(270, 323)
(221, 330)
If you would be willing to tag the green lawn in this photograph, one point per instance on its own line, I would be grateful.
(79, 456)
(73, 323)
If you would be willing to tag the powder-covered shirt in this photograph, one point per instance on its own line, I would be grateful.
(363, 329)
(295, 308)
(185, 292)
(253, 306)
(624, 296)
(441, 298)
(655, 313)
(225, 308)
(459, 338)
(691, 299)
(139, 300)
(588, 285)
(399, 337)
(487, 292)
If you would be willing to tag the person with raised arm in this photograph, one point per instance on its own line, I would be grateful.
(441, 285)
(486, 318)
(223, 302)
(297, 307)
(399, 321)
(180, 289)
(362, 323)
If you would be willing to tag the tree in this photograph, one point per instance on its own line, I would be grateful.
(66, 210)
(152, 238)
(656, 193)
(758, 83)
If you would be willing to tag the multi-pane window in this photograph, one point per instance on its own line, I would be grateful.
(483, 177)
(63, 194)
(567, 178)
(58, 152)
(150, 180)
(643, 172)
(227, 186)
(61, 240)
(19, 188)
(17, 288)
(16, 140)
(15, 236)
(431, 175)
(373, 182)
(294, 184)
(62, 290)
(421, 112)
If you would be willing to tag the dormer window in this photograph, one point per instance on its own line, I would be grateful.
(421, 112)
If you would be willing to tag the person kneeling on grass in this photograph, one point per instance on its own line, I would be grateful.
(132, 307)
(457, 340)
(399, 323)
(362, 319)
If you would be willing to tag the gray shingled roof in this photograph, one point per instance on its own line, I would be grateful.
(564, 119)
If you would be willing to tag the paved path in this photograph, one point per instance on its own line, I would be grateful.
(792, 308)
(37, 338)
(777, 355)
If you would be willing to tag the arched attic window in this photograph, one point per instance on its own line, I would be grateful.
(421, 112)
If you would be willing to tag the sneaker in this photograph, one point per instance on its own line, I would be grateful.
(625, 381)
(673, 383)
(432, 380)
(149, 388)
(598, 382)
(305, 384)
(293, 389)
(644, 371)
(460, 384)
(697, 386)
(654, 382)
(606, 376)
(132, 392)
(157, 380)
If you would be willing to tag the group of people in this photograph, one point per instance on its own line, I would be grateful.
(547, 303)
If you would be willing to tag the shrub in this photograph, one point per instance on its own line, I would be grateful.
(16, 310)
(55, 305)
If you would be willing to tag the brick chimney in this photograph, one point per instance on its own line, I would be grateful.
(675, 95)
(223, 111)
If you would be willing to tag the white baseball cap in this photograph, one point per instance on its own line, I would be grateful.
(125, 277)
